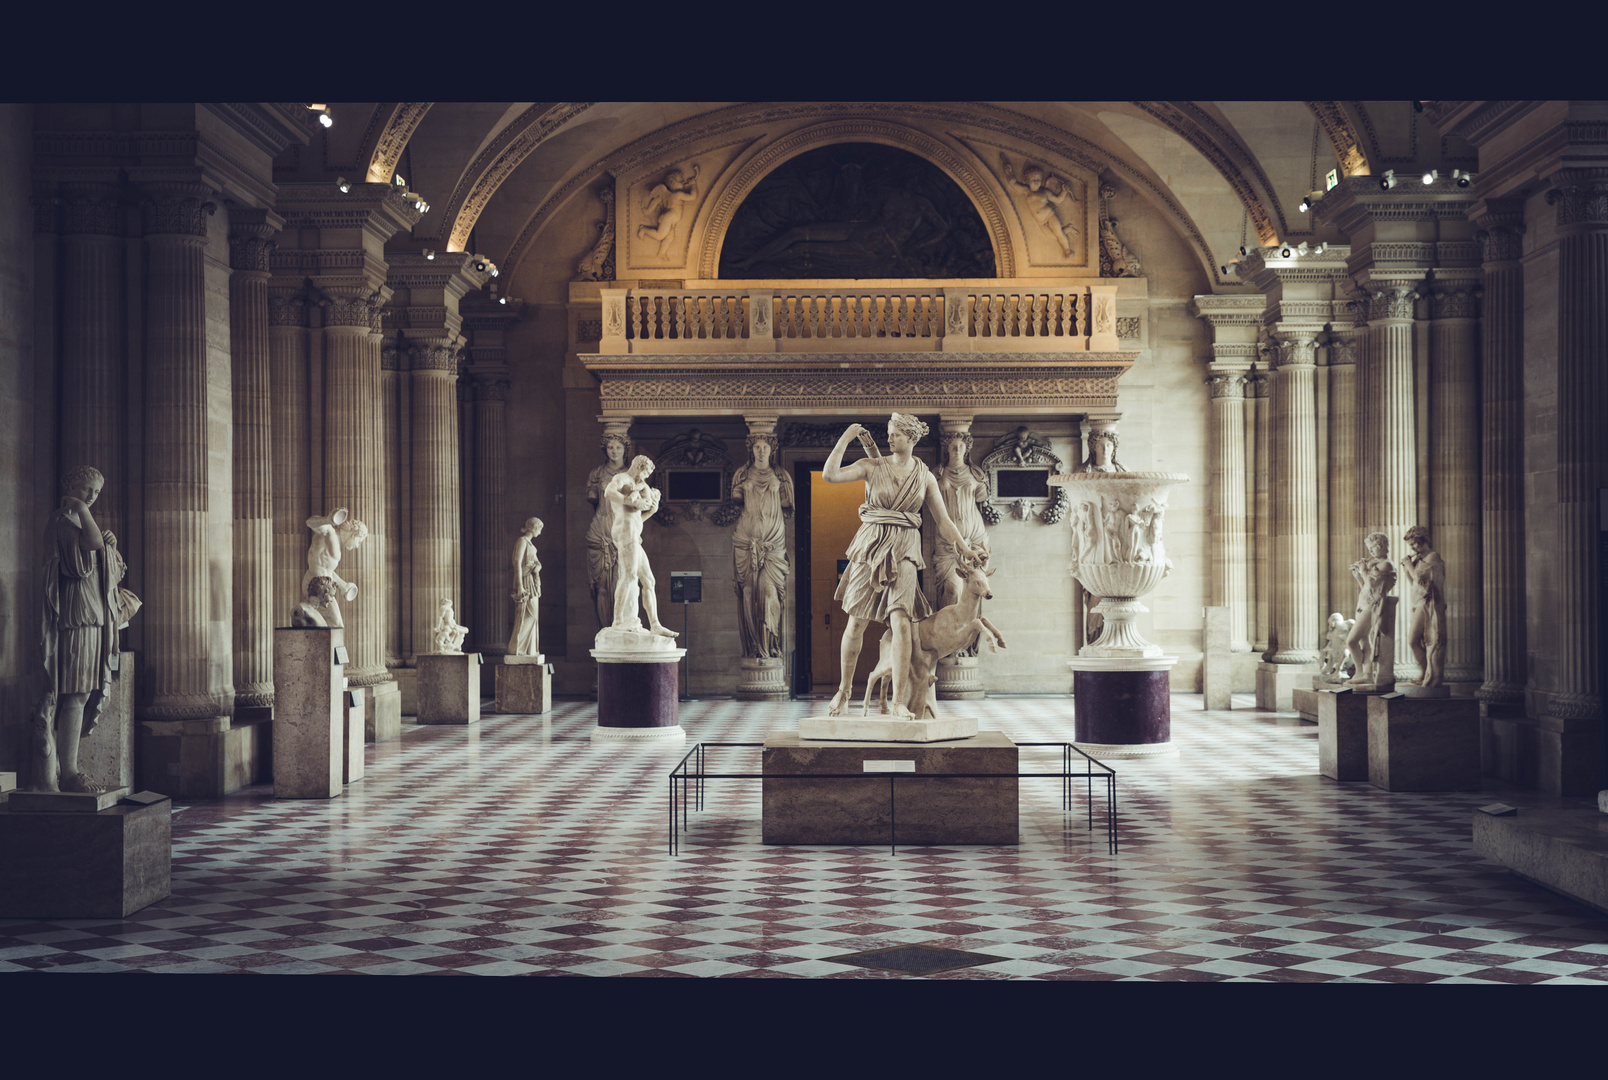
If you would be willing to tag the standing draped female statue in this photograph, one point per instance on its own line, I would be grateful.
(963, 486)
(602, 560)
(759, 547)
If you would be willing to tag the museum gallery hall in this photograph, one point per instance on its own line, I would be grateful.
(1112, 540)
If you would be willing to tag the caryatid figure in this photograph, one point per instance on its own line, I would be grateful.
(85, 606)
(524, 641)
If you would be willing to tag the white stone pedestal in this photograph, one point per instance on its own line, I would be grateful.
(382, 711)
(524, 686)
(353, 726)
(762, 679)
(638, 687)
(886, 729)
(309, 751)
(1217, 660)
(449, 688)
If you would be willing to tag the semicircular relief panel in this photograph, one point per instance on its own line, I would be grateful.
(857, 210)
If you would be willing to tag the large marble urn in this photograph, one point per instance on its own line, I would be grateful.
(1120, 680)
(1117, 550)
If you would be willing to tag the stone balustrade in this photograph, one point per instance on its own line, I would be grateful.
(1007, 316)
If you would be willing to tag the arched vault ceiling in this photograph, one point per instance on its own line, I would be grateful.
(1279, 135)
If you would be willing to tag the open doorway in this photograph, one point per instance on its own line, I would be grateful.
(828, 516)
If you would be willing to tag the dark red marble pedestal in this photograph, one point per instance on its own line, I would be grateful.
(638, 698)
(1123, 706)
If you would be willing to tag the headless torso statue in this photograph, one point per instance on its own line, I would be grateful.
(85, 606)
(880, 584)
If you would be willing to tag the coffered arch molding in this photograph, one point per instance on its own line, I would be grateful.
(965, 121)
(954, 163)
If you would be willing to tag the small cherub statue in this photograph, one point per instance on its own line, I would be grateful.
(1336, 660)
(447, 634)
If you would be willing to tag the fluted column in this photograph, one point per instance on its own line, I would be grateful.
(250, 243)
(1581, 199)
(1454, 477)
(94, 385)
(1345, 536)
(1261, 556)
(1502, 456)
(1295, 503)
(433, 432)
(1229, 543)
(492, 529)
(353, 471)
(292, 438)
(1391, 324)
(177, 591)
(397, 421)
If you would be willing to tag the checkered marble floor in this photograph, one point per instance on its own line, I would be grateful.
(517, 847)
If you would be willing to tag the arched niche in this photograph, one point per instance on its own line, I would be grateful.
(957, 165)
(856, 210)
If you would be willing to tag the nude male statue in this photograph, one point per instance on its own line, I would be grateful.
(633, 501)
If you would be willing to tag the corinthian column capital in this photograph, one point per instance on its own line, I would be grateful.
(1580, 198)
(176, 208)
(1226, 385)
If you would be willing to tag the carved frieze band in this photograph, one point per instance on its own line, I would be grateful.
(856, 393)
(1127, 327)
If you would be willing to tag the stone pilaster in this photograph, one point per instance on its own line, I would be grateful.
(1294, 507)
(1581, 199)
(396, 417)
(1454, 478)
(292, 440)
(178, 593)
(250, 244)
(1502, 455)
(354, 468)
(1228, 512)
(1261, 556)
(1345, 533)
(93, 345)
(492, 530)
(433, 541)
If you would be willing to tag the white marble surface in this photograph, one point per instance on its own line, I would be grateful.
(857, 729)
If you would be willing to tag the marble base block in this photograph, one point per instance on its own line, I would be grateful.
(887, 730)
(1413, 690)
(1342, 734)
(353, 714)
(1305, 702)
(66, 802)
(1123, 707)
(449, 688)
(1276, 684)
(1562, 848)
(524, 686)
(1217, 661)
(106, 757)
(638, 698)
(631, 644)
(1417, 744)
(407, 684)
(762, 679)
(104, 865)
(382, 711)
(855, 811)
(309, 724)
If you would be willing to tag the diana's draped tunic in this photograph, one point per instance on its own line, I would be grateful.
(84, 608)
(886, 552)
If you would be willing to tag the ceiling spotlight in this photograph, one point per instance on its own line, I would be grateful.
(418, 202)
(1301, 247)
(480, 265)
(1464, 179)
(1225, 270)
(1431, 176)
(324, 116)
(1318, 250)
(1306, 204)
(1418, 106)
(1286, 253)
(493, 271)
(343, 183)
(502, 299)
(1388, 180)
(429, 255)
(1244, 250)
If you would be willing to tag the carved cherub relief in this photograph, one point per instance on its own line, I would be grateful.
(1051, 201)
(666, 205)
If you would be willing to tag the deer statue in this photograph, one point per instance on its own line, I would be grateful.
(943, 633)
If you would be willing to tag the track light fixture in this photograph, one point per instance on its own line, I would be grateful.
(344, 184)
(1464, 179)
(1301, 247)
(417, 202)
(1318, 250)
(429, 255)
(1306, 204)
(1244, 249)
(502, 299)
(1388, 180)
(1286, 252)
(324, 116)
(1431, 176)
(480, 265)
(1418, 106)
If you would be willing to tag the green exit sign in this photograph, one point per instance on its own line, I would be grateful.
(1331, 180)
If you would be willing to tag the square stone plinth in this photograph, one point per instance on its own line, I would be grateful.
(103, 865)
(353, 727)
(856, 811)
(449, 688)
(1564, 848)
(382, 711)
(1342, 734)
(1423, 744)
(523, 689)
(1217, 660)
(1276, 684)
(309, 716)
(1305, 702)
